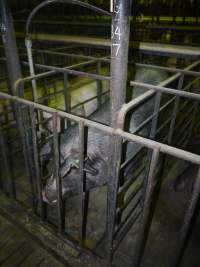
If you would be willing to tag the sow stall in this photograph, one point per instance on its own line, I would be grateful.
(98, 222)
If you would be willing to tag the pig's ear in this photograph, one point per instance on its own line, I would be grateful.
(89, 167)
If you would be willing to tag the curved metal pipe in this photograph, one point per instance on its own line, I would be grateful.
(74, 2)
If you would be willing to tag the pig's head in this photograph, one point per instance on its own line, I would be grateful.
(95, 170)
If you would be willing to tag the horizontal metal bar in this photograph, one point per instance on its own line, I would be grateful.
(50, 95)
(88, 100)
(69, 71)
(102, 59)
(181, 154)
(173, 70)
(162, 89)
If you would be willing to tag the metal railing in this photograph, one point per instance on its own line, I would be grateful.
(140, 198)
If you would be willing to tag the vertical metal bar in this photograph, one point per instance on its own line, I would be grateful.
(9, 187)
(42, 205)
(83, 133)
(28, 151)
(113, 185)
(28, 44)
(61, 212)
(119, 55)
(99, 86)
(66, 96)
(111, 5)
(145, 217)
(10, 46)
(120, 32)
(175, 111)
(187, 221)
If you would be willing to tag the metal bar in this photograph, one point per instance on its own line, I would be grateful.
(173, 70)
(88, 100)
(127, 227)
(148, 120)
(193, 119)
(162, 89)
(9, 187)
(69, 71)
(43, 98)
(119, 55)
(42, 205)
(61, 210)
(113, 185)
(119, 63)
(110, 131)
(175, 111)
(82, 181)
(126, 219)
(187, 221)
(99, 86)
(74, 2)
(101, 59)
(24, 115)
(147, 206)
(129, 199)
(10, 46)
(67, 97)
(28, 44)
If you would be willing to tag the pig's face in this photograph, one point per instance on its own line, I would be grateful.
(96, 173)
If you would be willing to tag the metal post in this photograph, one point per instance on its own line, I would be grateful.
(10, 46)
(119, 64)
(119, 55)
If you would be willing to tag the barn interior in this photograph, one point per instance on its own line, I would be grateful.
(99, 133)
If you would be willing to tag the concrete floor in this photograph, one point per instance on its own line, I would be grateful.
(17, 248)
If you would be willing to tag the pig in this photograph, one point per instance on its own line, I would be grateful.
(96, 163)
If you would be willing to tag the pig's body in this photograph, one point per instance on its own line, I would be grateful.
(97, 160)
